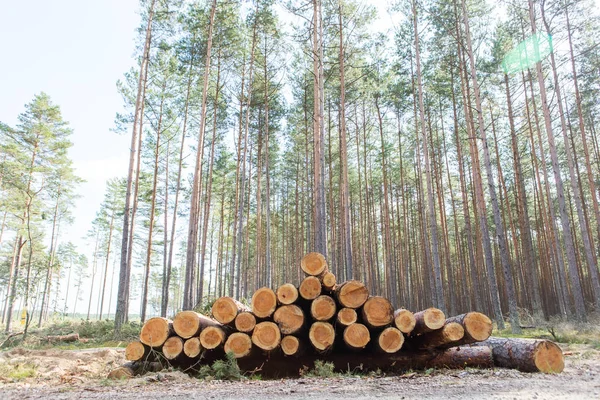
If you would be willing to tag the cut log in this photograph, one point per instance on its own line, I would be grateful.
(264, 302)
(328, 280)
(291, 346)
(352, 294)
(428, 320)
(321, 336)
(290, 319)
(448, 336)
(173, 348)
(137, 351)
(192, 347)
(527, 355)
(73, 337)
(346, 317)
(239, 344)
(225, 309)
(390, 340)
(187, 324)
(310, 288)
(314, 264)
(404, 320)
(133, 368)
(212, 337)
(322, 308)
(245, 322)
(156, 331)
(287, 294)
(477, 327)
(357, 336)
(266, 335)
(377, 312)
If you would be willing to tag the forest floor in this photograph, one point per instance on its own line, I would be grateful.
(77, 374)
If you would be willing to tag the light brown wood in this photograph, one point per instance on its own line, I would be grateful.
(352, 294)
(357, 336)
(328, 280)
(428, 320)
(264, 302)
(72, 337)
(448, 336)
(266, 335)
(477, 326)
(173, 347)
(321, 336)
(390, 340)
(212, 337)
(225, 309)
(245, 322)
(313, 264)
(404, 320)
(132, 368)
(310, 288)
(290, 345)
(527, 355)
(156, 331)
(323, 308)
(187, 324)
(135, 351)
(377, 312)
(240, 344)
(287, 294)
(346, 317)
(192, 347)
(290, 319)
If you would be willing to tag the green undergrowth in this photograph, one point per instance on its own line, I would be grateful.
(223, 370)
(17, 372)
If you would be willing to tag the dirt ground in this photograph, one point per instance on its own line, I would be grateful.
(81, 374)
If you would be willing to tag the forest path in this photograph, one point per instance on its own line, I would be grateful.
(77, 374)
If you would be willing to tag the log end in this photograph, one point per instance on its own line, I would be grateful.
(357, 336)
(453, 331)
(429, 320)
(346, 316)
(224, 310)
(289, 318)
(212, 337)
(155, 331)
(266, 335)
(404, 320)
(390, 340)
(310, 288)
(313, 264)
(245, 322)
(352, 294)
(321, 335)
(378, 312)
(239, 344)
(186, 324)
(548, 357)
(287, 294)
(264, 302)
(121, 373)
(192, 347)
(323, 308)
(173, 347)
(478, 326)
(290, 345)
(328, 280)
(134, 351)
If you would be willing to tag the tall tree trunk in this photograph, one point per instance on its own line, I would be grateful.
(50, 265)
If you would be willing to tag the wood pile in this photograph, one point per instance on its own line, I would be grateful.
(287, 329)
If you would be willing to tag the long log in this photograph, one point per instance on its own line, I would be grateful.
(238, 343)
(225, 309)
(156, 331)
(356, 336)
(314, 264)
(527, 355)
(352, 294)
(245, 322)
(192, 347)
(287, 294)
(377, 312)
(266, 336)
(323, 308)
(390, 340)
(212, 337)
(289, 318)
(187, 324)
(73, 337)
(264, 302)
(346, 317)
(310, 288)
(322, 336)
(450, 335)
(404, 320)
(477, 327)
(428, 320)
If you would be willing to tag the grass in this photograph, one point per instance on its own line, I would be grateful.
(17, 372)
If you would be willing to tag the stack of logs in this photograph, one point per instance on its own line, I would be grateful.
(288, 329)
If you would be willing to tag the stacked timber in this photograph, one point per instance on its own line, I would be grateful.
(286, 329)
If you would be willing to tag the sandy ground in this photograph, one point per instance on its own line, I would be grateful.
(80, 374)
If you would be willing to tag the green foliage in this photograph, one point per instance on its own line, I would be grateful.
(223, 370)
(17, 372)
(322, 369)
